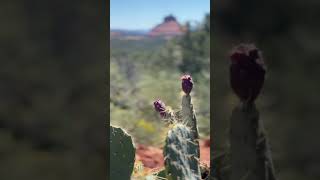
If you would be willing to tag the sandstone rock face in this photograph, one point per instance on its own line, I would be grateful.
(169, 28)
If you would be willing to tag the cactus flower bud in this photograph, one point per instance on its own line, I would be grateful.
(247, 72)
(160, 107)
(186, 84)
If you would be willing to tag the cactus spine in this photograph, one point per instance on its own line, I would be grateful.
(122, 154)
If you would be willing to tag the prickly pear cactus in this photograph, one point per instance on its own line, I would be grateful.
(122, 154)
(180, 154)
(250, 152)
(187, 112)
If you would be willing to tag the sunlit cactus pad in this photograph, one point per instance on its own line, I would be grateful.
(180, 153)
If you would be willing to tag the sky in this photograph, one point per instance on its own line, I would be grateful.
(145, 14)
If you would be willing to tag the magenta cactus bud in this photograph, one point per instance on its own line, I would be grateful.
(159, 106)
(186, 84)
(247, 72)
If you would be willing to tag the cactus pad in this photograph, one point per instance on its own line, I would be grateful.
(122, 154)
(180, 154)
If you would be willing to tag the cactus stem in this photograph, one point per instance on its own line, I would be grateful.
(249, 149)
(189, 116)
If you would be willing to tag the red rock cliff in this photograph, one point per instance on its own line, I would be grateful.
(169, 27)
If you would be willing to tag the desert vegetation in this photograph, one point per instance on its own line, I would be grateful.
(181, 148)
(143, 71)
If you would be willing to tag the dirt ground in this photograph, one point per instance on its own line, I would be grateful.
(152, 157)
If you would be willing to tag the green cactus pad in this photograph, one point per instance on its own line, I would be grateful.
(189, 118)
(122, 154)
(180, 152)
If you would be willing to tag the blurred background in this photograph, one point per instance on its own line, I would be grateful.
(287, 32)
(52, 94)
(152, 44)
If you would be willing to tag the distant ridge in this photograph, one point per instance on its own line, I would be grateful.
(129, 32)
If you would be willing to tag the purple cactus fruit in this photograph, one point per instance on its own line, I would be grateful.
(159, 106)
(247, 72)
(186, 84)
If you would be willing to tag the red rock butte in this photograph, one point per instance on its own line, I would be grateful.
(169, 28)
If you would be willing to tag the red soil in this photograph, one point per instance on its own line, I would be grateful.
(152, 157)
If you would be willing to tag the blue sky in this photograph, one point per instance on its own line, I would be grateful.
(144, 14)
